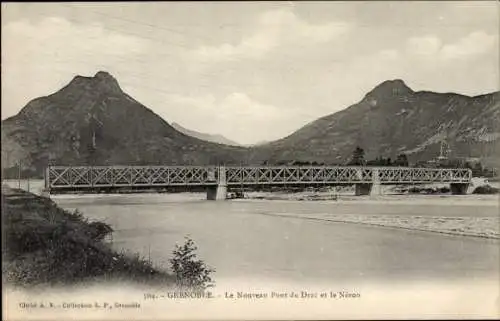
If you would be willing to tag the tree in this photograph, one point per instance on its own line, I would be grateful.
(453, 163)
(477, 171)
(401, 160)
(190, 272)
(358, 157)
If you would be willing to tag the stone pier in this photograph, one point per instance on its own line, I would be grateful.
(219, 191)
(363, 189)
(459, 188)
(369, 188)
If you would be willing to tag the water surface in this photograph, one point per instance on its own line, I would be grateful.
(244, 239)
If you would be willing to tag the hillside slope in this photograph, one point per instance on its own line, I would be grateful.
(214, 138)
(393, 119)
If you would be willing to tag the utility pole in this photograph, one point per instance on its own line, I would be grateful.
(19, 175)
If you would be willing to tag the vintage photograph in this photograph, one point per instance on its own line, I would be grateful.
(250, 160)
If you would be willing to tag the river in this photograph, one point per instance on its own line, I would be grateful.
(245, 239)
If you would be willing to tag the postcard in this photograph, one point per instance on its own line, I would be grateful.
(250, 160)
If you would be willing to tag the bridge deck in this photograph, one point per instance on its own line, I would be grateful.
(86, 177)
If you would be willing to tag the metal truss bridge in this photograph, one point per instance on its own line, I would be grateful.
(106, 178)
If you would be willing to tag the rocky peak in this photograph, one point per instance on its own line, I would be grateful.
(104, 76)
(397, 85)
(106, 81)
(389, 89)
(102, 82)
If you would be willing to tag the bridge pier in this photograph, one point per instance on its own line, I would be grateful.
(376, 187)
(372, 188)
(363, 189)
(218, 192)
(459, 188)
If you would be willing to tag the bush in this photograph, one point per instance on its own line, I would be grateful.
(485, 189)
(190, 273)
(444, 190)
(99, 230)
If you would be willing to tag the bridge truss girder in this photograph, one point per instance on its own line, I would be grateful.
(129, 176)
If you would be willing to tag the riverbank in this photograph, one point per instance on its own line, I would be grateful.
(45, 245)
(437, 199)
(485, 227)
(474, 224)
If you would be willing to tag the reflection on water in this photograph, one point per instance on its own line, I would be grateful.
(244, 238)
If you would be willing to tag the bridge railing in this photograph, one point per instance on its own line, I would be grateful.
(424, 175)
(111, 176)
(297, 174)
(344, 174)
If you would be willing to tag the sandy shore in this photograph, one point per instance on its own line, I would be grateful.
(437, 199)
(487, 227)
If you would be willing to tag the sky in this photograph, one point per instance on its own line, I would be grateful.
(251, 71)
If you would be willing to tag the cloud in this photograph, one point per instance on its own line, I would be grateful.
(468, 65)
(474, 44)
(424, 46)
(274, 28)
(48, 53)
(236, 116)
(387, 54)
(57, 37)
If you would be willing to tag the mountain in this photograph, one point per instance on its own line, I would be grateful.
(92, 121)
(214, 138)
(393, 119)
(259, 143)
